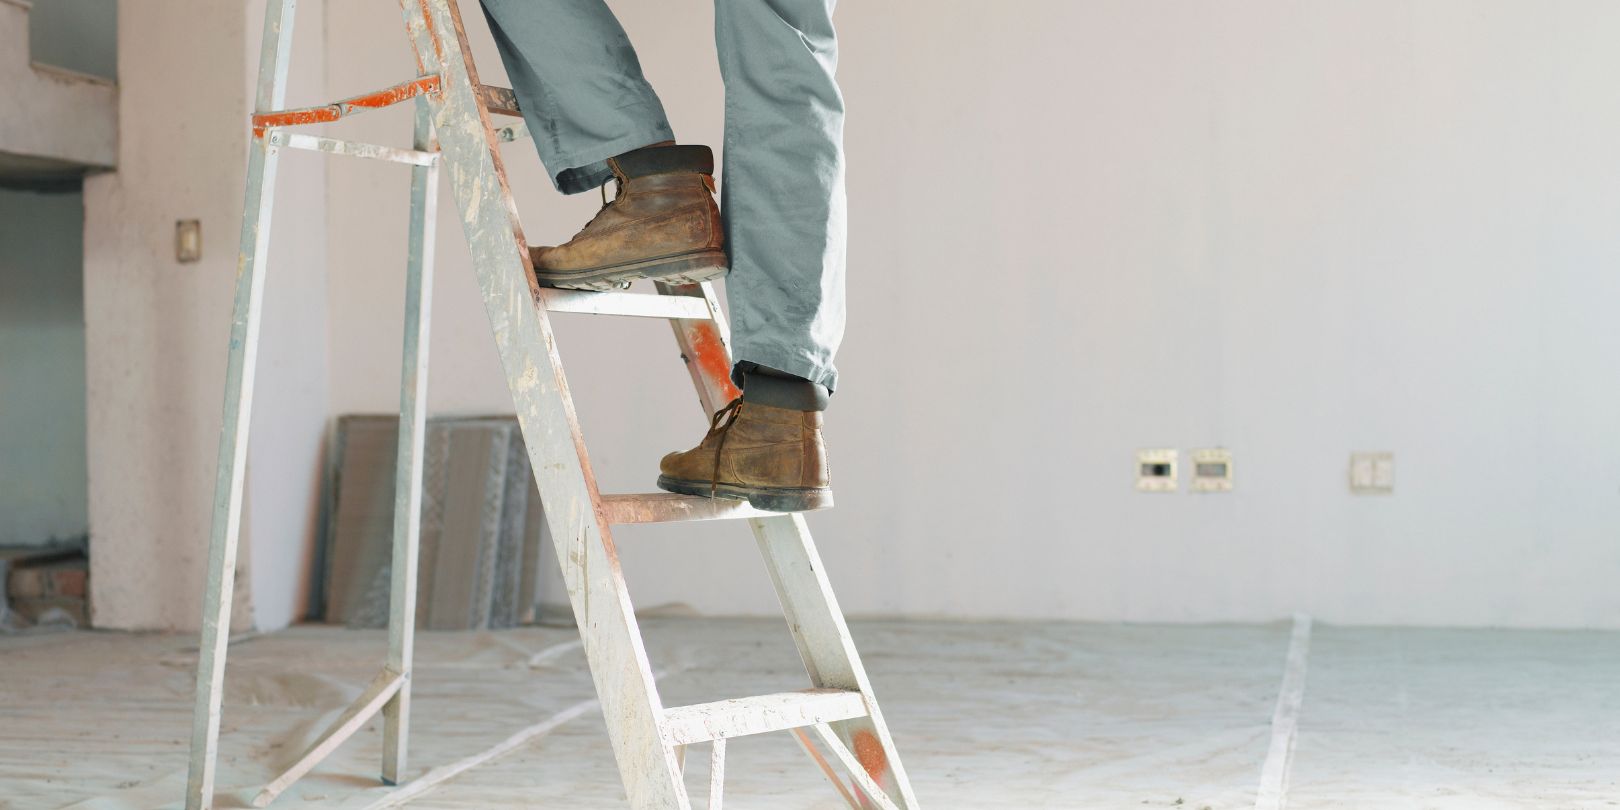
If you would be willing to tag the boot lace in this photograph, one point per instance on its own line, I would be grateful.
(618, 191)
(729, 414)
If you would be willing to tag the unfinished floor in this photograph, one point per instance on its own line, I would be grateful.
(986, 715)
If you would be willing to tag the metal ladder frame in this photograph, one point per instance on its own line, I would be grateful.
(453, 131)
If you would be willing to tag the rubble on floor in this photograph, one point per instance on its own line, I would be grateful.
(44, 588)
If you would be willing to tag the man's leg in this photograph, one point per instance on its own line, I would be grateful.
(579, 82)
(594, 118)
(783, 206)
(783, 201)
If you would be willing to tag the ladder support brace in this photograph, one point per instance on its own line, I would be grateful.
(327, 113)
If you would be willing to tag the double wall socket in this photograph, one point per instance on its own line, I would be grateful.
(1372, 473)
(1156, 470)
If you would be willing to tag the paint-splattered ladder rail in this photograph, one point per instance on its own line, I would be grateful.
(454, 134)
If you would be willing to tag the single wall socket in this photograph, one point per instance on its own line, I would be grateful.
(1156, 470)
(1372, 473)
(1212, 470)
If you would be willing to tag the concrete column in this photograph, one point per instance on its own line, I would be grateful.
(156, 328)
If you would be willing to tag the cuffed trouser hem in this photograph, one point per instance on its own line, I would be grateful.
(778, 389)
(791, 393)
(588, 169)
(825, 376)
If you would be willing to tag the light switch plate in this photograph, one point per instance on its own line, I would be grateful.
(1212, 470)
(1372, 473)
(1156, 470)
(188, 240)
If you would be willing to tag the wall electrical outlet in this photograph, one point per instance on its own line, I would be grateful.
(1372, 473)
(1156, 470)
(1212, 470)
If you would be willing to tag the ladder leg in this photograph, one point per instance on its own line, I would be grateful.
(412, 431)
(585, 550)
(717, 773)
(233, 439)
(227, 529)
(829, 654)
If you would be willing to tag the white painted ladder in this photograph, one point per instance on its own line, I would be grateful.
(454, 133)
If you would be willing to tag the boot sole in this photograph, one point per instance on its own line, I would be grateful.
(768, 499)
(683, 268)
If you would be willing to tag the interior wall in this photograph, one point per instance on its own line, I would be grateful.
(1080, 229)
(42, 404)
(157, 329)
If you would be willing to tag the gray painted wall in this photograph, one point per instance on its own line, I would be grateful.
(78, 35)
(42, 399)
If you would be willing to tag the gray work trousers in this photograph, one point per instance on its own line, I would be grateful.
(584, 98)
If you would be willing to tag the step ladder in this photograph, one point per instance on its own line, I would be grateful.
(454, 132)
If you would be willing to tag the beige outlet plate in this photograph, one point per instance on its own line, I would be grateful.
(1372, 473)
(1212, 470)
(1156, 470)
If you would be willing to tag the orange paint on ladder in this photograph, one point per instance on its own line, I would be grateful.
(870, 754)
(328, 113)
(293, 118)
(713, 361)
(433, 35)
(395, 94)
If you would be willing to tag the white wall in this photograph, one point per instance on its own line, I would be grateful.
(42, 463)
(1293, 230)
(157, 329)
(1078, 229)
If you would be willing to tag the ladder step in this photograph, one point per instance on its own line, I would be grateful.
(685, 725)
(669, 507)
(333, 146)
(641, 305)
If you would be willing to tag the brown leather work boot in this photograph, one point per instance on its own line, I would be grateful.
(662, 224)
(771, 457)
